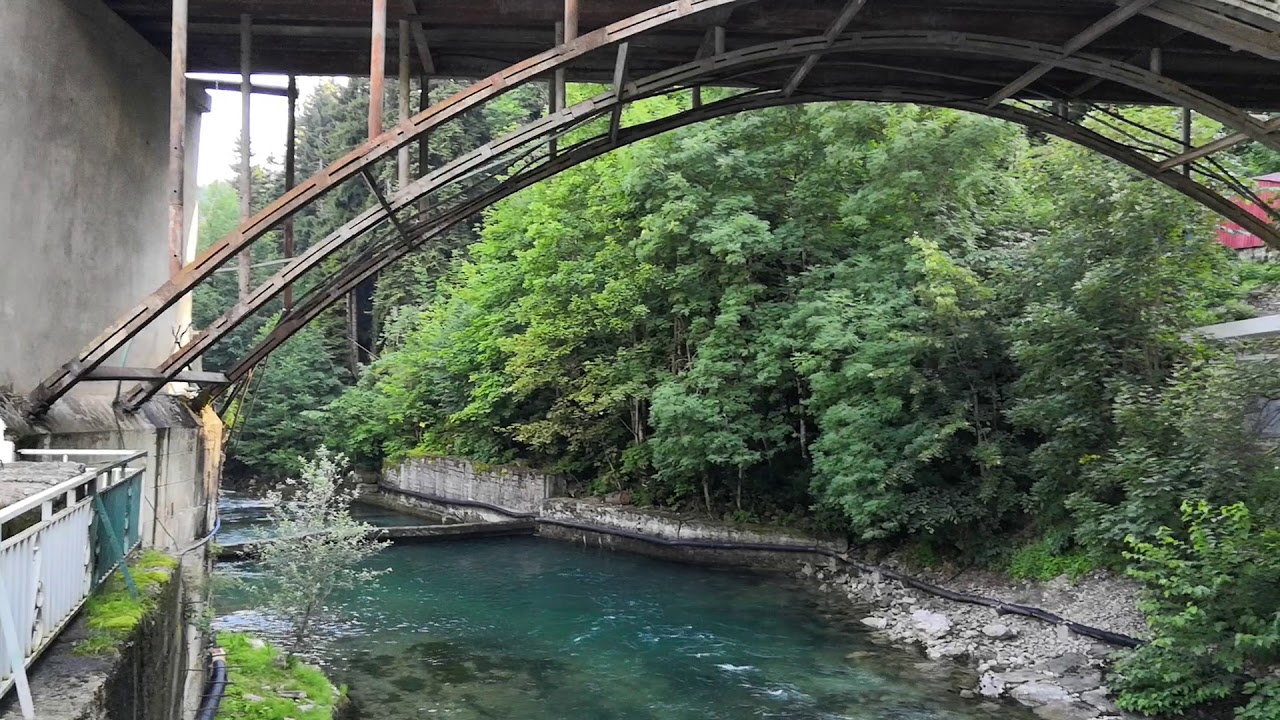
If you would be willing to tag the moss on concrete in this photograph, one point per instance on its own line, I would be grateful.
(113, 612)
(263, 687)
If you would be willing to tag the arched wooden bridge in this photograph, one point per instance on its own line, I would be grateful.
(1050, 65)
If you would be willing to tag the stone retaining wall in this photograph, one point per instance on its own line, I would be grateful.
(514, 488)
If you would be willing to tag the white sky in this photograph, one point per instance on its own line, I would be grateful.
(220, 127)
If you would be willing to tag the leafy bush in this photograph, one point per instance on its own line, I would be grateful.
(1213, 608)
(1046, 559)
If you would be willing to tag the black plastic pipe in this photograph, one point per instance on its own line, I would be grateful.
(999, 606)
(216, 689)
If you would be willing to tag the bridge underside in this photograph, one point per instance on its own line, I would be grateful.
(1052, 66)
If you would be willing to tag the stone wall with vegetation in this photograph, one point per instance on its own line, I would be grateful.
(510, 487)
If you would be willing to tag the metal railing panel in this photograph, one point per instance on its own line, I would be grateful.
(87, 526)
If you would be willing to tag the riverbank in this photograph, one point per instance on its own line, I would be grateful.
(1046, 666)
(1060, 674)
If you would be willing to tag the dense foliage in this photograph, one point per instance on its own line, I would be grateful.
(901, 323)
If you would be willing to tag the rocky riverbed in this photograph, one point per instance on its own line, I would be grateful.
(1059, 674)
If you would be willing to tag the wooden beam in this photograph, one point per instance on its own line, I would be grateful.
(1072, 46)
(121, 374)
(841, 22)
(619, 90)
(1219, 145)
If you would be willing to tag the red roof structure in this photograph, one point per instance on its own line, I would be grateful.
(1236, 237)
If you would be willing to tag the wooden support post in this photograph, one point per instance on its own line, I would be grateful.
(1157, 61)
(177, 135)
(246, 168)
(290, 172)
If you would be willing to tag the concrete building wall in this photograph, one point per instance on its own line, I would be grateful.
(508, 487)
(83, 208)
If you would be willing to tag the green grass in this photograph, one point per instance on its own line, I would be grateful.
(112, 612)
(261, 672)
(1042, 560)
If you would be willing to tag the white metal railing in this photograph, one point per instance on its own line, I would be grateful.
(79, 531)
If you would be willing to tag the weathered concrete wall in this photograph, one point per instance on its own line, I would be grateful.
(83, 207)
(674, 537)
(145, 680)
(514, 488)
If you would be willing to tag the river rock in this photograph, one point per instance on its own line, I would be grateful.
(1065, 663)
(1080, 681)
(967, 694)
(1071, 711)
(998, 631)
(991, 685)
(931, 623)
(938, 651)
(1099, 698)
(875, 623)
(1039, 693)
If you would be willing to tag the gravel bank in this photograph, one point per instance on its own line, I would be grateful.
(1058, 673)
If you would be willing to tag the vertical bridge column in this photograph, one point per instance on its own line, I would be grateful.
(377, 77)
(177, 134)
(246, 170)
(290, 152)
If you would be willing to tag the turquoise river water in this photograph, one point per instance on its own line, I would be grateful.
(529, 629)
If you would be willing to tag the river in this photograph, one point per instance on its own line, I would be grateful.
(533, 629)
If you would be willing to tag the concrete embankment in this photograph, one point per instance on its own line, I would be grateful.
(406, 534)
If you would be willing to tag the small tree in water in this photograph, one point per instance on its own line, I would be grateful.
(317, 547)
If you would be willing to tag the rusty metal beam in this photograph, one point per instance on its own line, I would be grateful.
(619, 89)
(119, 374)
(236, 86)
(334, 288)
(177, 136)
(137, 318)
(1260, 37)
(377, 66)
(372, 183)
(402, 105)
(538, 66)
(290, 173)
(419, 31)
(1113, 20)
(245, 276)
(837, 26)
(1219, 145)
